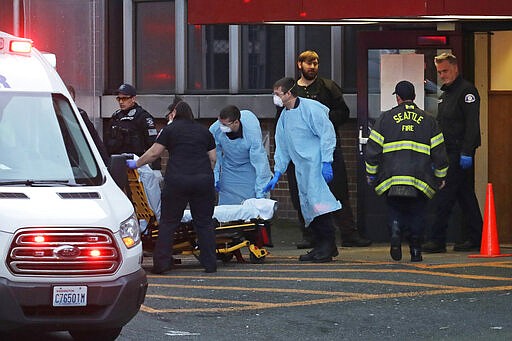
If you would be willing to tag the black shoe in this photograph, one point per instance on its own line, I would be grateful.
(305, 244)
(434, 247)
(466, 246)
(326, 252)
(355, 239)
(416, 255)
(157, 270)
(309, 256)
(396, 242)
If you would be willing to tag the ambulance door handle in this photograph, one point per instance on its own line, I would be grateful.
(362, 140)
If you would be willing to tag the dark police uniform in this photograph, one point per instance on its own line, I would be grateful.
(188, 180)
(458, 117)
(131, 131)
(407, 155)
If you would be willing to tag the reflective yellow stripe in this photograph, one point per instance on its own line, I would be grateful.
(406, 145)
(370, 169)
(441, 173)
(377, 138)
(436, 140)
(405, 180)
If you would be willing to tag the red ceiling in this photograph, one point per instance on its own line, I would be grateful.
(258, 11)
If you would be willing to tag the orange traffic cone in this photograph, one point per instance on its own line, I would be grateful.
(490, 247)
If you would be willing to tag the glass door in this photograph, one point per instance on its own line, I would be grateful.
(372, 213)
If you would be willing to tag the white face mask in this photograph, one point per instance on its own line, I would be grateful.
(169, 121)
(278, 101)
(225, 129)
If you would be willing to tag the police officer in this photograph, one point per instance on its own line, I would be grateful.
(459, 120)
(131, 128)
(406, 160)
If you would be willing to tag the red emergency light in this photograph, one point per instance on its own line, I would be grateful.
(432, 40)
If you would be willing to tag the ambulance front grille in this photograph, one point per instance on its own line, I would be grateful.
(63, 252)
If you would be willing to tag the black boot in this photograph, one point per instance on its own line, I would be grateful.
(396, 241)
(415, 248)
(326, 251)
(323, 252)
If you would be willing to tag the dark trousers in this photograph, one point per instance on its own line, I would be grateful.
(409, 213)
(322, 227)
(460, 187)
(197, 191)
(339, 188)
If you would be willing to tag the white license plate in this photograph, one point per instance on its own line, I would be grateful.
(70, 296)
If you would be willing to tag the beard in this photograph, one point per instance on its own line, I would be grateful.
(309, 75)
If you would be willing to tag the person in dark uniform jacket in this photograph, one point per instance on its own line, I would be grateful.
(90, 127)
(459, 119)
(406, 160)
(188, 180)
(131, 128)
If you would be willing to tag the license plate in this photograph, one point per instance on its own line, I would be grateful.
(70, 296)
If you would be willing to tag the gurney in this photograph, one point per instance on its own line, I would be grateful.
(236, 226)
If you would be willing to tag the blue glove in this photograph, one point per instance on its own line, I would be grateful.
(272, 183)
(132, 164)
(370, 179)
(217, 186)
(465, 161)
(327, 171)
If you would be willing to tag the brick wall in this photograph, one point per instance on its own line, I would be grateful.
(348, 138)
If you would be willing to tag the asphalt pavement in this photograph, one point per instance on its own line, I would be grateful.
(362, 295)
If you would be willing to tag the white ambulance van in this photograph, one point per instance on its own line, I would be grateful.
(70, 249)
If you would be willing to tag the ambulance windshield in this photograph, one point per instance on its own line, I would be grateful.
(42, 143)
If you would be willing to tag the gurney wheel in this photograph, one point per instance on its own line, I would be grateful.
(256, 260)
(225, 257)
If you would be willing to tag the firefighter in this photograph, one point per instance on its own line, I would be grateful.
(406, 160)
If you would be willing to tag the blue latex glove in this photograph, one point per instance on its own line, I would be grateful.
(132, 164)
(465, 161)
(327, 171)
(370, 179)
(272, 183)
(217, 186)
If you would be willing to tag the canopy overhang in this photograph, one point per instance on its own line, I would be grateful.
(202, 12)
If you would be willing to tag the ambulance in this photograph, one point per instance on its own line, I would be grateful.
(70, 247)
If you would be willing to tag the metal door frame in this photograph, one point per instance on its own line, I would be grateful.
(393, 39)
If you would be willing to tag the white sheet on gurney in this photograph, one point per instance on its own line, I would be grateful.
(151, 182)
(250, 209)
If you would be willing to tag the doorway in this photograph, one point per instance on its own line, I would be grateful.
(372, 46)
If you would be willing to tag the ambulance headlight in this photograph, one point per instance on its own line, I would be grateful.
(130, 231)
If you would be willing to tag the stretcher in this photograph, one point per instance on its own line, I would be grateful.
(236, 226)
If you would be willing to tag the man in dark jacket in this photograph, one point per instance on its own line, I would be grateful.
(406, 160)
(131, 129)
(459, 120)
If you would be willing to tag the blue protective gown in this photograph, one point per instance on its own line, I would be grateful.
(242, 167)
(305, 136)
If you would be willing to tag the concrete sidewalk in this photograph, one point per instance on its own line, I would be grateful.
(286, 234)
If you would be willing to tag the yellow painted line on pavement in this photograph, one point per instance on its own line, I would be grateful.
(411, 271)
(262, 305)
(463, 265)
